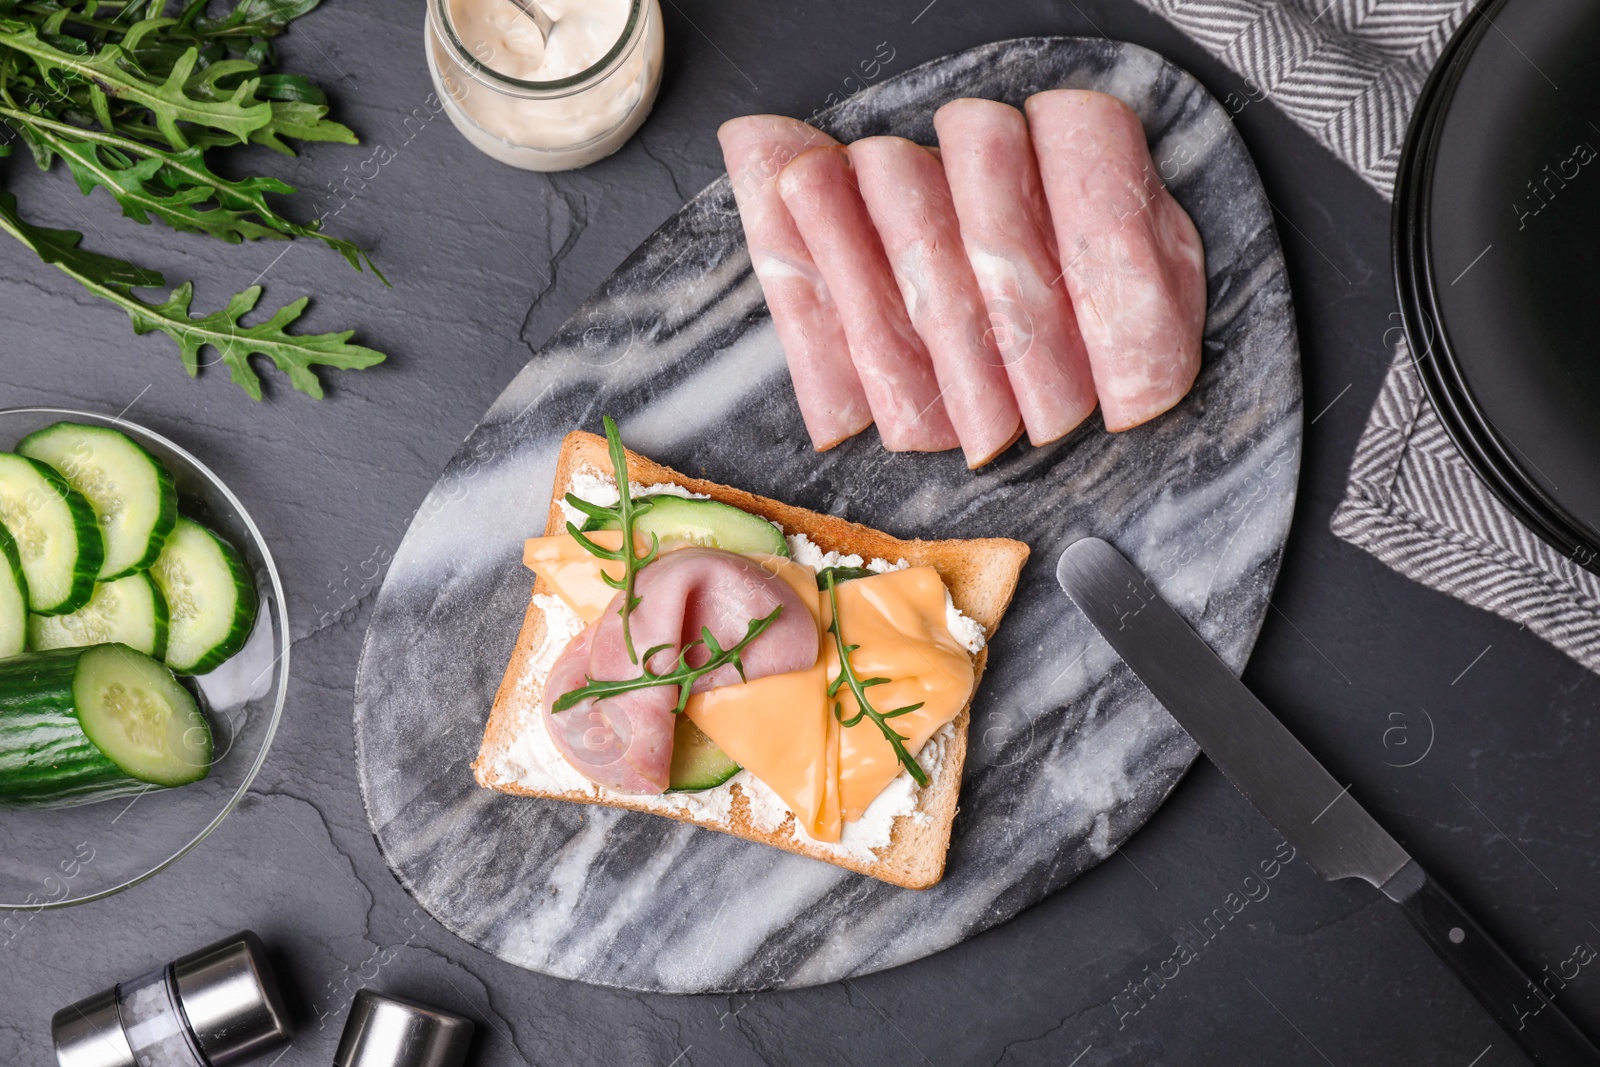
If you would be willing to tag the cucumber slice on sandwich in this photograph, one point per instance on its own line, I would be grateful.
(712, 523)
(132, 494)
(84, 724)
(697, 762)
(129, 611)
(57, 537)
(13, 598)
(211, 601)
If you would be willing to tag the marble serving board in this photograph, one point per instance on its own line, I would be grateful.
(1068, 753)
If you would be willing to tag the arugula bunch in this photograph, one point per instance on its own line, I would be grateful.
(134, 100)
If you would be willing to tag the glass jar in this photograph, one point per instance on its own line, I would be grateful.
(485, 66)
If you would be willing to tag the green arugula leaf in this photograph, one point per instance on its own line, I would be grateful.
(626, 512)
(172, 186)
(251, 18)
(247, 25)
(290, 89)
(303, 122)
(841, 574)
(829, 580)
(60, 248)
(132, 37)
(168, 102)
(681, 673)
(293, 354)
(114, 280)
(221, 79)
(136, 187)
(97, 22)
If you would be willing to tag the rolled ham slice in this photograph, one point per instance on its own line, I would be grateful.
(1132, 258)
(624, 742)
(819, 189)
(904, 188)
(1011, 245)
(832, 402)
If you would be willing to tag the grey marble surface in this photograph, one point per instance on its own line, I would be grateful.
(1068, 753)
(487, 263)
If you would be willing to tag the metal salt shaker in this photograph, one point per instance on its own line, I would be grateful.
(385, 1031)
(217, 1007)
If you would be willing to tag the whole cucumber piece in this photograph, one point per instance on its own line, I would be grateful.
(79, 725)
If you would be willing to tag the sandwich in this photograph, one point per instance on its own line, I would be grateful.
(778, 674)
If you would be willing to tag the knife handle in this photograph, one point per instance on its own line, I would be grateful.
(1523, 1009)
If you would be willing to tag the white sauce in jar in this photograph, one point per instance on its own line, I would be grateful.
(546, 129)
(502, 38)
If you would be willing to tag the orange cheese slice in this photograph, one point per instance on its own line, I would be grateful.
(573, 573)
(781, 728)
(898, 620)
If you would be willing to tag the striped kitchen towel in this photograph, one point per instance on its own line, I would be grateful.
(1413, 502)
(1349, 72)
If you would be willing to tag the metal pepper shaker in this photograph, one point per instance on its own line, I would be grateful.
(385, 1031)
(217, 1007)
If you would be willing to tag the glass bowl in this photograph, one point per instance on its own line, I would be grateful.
(54, 858)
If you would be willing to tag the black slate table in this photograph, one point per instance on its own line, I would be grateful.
(486, 262)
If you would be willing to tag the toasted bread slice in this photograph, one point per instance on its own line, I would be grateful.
(981, 575)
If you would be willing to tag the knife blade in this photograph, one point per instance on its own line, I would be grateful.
(1298, 796)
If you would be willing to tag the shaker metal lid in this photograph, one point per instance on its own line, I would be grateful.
(385, 1031)
(232, 1000)
(89, 1034)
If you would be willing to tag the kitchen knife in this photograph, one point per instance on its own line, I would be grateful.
(1298, 796)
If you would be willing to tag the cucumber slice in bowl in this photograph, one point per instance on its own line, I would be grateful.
(132, 493)
(697, 761)
(13, 598)
(705, 522)
(211, 601)
(57, 537)
(86, 724)
(129, 611)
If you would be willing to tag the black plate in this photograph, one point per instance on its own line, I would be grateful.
(1497, 218)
